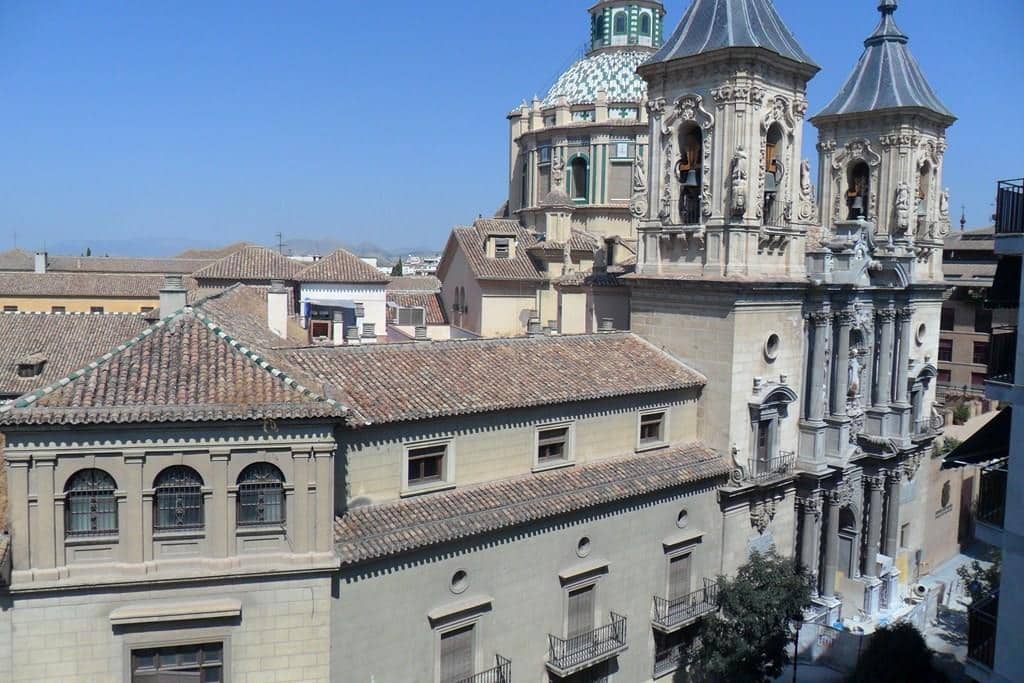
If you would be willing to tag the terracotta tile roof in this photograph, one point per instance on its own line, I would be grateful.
(414, 283)
(578, 242)
(67, 341)
(81, 284)
(342, 266)
(251, 264)
(398, 382)
(16, 259)
(21, 260)
(383, 530)
(182, 368)
(429, 301)
(473, 244)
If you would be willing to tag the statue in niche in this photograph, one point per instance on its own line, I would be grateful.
(944, 205)
(739, 182)
(805, 180)
(557, 172)
(639, 175)
(853, 379)
(903, 208)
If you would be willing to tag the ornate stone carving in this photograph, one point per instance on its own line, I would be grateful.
(688, 108)
(665, 209)
(807, 209)
(811, 504)
(874, 482)
(656, 107)
(738, 183)
(820, 318)
(557, 172)
(800, 107)
(911, 465)
(902, 208)
(762, 513)
(886, 315)
(855, 150)
(638, 205)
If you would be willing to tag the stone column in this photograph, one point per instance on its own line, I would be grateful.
(828, 584)
(844, 321)
(883, 382)
(809, 533)
(820, 326)
(892, 515)
(875, 485)
(903, 362)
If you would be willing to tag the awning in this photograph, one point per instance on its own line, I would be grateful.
(1005, 290)
(991, 442)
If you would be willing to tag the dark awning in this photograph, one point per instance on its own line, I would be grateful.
(1005, 290)
(991, 442)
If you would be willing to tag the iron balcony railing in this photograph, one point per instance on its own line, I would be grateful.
(992, 494)
(501, 673)
(668, 659)
(1010, 207)
(689, 210)
(566, 655)
(672, 614)
(981, 631)
(763, 469)
(1002, 360)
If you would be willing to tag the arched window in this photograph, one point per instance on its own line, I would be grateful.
(579, 178)
(90, 506)
(260, 495)
(858, 191)
(773, 172)
(688, 172)
(178, 501)
(921, 198)
(645, 24)
(599, 29)
(620, 23)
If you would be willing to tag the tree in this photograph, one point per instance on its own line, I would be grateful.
(897, 654)
(979, 580)
(747, 640)
(396, 271)
(88, 251)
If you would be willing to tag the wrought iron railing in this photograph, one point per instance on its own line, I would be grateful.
(762, 469)
(589, 647)
(981, 631)
(776, 212)
(685, 609)
(1010, 207)
(992, 494)
(1002, 360)
(668, 659)
(501, 673)
(689, 210)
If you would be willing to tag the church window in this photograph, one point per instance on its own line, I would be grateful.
(178, 499)
(621, 23)
(579, 179)
(688, 173)
(645, 24)
(260, 495)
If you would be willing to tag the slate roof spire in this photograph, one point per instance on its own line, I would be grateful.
(887, 75)
(710, 25)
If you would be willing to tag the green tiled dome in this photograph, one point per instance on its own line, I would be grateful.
(614, 72)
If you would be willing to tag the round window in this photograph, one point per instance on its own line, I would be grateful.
(922, 330)
(683, 519)
(583, 547)
(771, 347)
(460, 582)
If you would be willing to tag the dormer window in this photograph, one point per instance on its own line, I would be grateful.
(32, 366)
(502, 247)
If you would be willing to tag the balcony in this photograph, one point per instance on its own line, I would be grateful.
(668, 660)
(991, 503)
(566, 656)
(1002, 363)
(1010, 207)
(768, 469)
(672, 615)
(981, 634)
(501, 673)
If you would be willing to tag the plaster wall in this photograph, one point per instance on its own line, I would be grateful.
(459, 275)
(44, 304)
(505, 308)
(373, 298)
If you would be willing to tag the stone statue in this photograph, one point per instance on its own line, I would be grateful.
(944, 205)
(903, 207)
(639, 175)
(805, 180)
(853, 381)
(739, 182)
(557, 172)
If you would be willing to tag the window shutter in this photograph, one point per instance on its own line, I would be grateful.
(678, 576)
(457, 655)
(581, 611)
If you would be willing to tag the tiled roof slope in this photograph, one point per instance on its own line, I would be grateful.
(344, 267)
(472, 242)
(249, 264)
(16, 259)
(429, 301)
(383, 530)
(81, 284)
(19, 260)
(414, 283)
(710, 25)
(67, 341)
(241, 310)
(397, 382)
(182, 368)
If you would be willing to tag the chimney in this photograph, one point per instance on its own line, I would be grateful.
(421, 333)
(352, 335)
(369, 333)
(606, 325)
(533, 327)
(277, 308)
(553, 326)
(40, 263)
(172, 294)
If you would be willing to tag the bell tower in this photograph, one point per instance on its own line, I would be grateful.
(728, 195)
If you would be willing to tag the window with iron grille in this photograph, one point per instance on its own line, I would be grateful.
(652, 428)
(182, 663)
(260, 495)
(91, 506)
(412, 316)
(426, 465)
(178, 500)
(552, 445)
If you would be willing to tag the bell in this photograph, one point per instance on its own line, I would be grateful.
(690, 179)
(858, 204)
(770, 184)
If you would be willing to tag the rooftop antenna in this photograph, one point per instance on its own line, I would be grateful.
(280, 243)
(963, 217)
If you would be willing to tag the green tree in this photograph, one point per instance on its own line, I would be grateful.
(396, 271)
(980, 580)
(897, 654)
(747, 640)
(88, 251)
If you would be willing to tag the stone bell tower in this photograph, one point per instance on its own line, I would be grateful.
(728, 192)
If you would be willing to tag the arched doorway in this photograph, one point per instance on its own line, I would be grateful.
(849, 535)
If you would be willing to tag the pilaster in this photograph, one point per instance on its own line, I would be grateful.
(892, 515)
(875, 485)
(220, 523)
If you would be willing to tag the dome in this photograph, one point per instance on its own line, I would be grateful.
(613, 71)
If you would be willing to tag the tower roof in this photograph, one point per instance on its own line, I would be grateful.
(887, 75)
(710, 25)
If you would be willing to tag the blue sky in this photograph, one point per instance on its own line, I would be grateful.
(205, 122)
